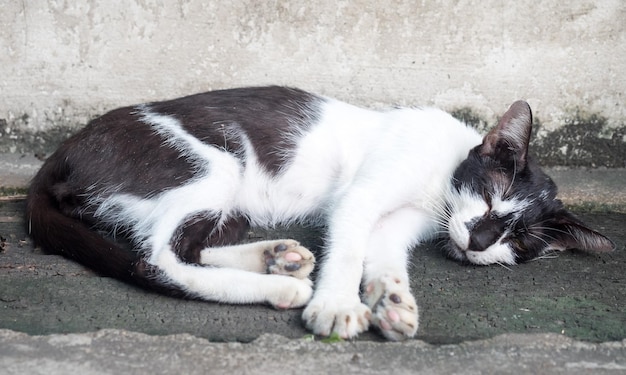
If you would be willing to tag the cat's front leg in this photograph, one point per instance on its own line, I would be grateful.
(336, 306)
(346, 317)
(387, 290)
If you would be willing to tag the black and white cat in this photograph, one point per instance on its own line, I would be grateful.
(182, 180)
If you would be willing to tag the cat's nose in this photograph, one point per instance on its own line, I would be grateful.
(481, 240)
(484, 233)
(472, 223)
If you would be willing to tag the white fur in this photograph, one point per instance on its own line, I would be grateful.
(497, 253)
(378, 179)
(466, 207)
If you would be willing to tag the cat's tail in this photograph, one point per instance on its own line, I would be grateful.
(52, 227)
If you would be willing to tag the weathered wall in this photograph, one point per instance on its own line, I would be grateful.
(63, 62)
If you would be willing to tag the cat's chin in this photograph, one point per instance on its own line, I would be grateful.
(497, 253)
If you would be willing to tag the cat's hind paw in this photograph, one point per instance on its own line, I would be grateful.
(394, 310)
(287, 257)
(344, 318)
(293, 293)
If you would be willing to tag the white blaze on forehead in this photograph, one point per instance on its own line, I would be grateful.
(469, 205)
(505, 207)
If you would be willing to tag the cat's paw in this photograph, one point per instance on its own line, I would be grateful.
(287, 257)
(293, 293)
(347, 319)
(394, 310)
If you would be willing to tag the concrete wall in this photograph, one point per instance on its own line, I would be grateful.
(63, 62)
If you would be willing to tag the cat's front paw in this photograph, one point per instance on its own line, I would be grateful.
(347, 319)
(287, 257)
(394, 310)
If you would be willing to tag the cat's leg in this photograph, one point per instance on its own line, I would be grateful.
(336, 305)
(204, 229)
(230, 285)
(279, 257)
(386, 280)
(208, 239)
(394, 310)
(181, 262)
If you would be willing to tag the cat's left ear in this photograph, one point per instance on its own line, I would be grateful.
(508, 141)
(566, 232)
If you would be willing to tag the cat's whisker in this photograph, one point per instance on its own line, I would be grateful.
(442, 243)
(547, 255)
(504, 266)
(540, 238)
(441, 232)
(569, 233)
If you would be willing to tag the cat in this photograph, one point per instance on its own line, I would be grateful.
(162, 194)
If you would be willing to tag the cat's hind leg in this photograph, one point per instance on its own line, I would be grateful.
(209, 239)
(203, 259)
(230, 285)
(187, 262)
(279, 257)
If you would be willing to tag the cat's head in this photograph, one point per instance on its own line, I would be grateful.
(503, 207)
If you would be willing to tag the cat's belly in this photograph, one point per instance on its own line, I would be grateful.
(270, 201)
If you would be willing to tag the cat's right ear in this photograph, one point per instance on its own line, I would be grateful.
(563, 232)
(508, 141)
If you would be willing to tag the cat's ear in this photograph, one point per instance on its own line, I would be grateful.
(565, 232)
(508, 141)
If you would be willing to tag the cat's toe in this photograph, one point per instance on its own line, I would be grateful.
(287, 257)
(345, 318)
(394, 310)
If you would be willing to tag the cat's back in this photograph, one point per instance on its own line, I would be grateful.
(152, 147)
(418, 148)
(413, 136)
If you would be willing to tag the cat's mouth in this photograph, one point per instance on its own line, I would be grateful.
(453, 251)
(497, 253)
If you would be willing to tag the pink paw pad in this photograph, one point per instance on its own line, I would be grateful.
(293, 257)
(393, 316)
(393, 308)
(287, 257)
